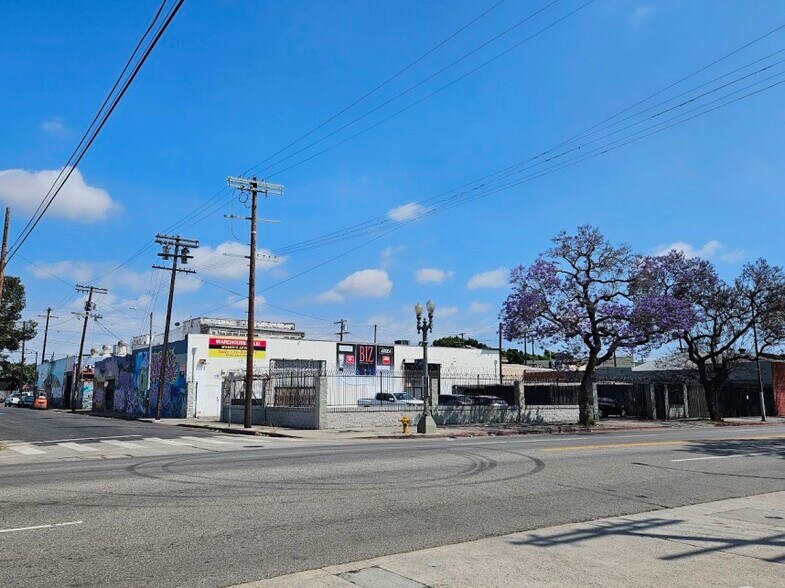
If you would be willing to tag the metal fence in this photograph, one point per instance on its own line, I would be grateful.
(404, 390)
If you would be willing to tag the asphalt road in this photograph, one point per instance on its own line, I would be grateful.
(214, 519)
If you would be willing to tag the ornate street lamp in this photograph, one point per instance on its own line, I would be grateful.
(426, 424)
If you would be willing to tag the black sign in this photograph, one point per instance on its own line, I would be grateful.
(365, 359)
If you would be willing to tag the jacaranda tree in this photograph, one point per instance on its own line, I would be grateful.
(582, 295)
(724, 316)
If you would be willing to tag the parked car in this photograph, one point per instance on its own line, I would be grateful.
(490, 401)
(390, 398)
(27, 401)
(13, 399)
(455, 400)
(41, 402)
(609, 406)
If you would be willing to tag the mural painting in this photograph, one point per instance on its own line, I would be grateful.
(114, 386)
(175, 396)
(50, 377)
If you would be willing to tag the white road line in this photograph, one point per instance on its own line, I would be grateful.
(542, 439)
(53, 525)
(206, 440)
(123, 444)
(88, 438)
(25, 449)
(718, 457)
(76, 447)
(627, 436)
(165, 441)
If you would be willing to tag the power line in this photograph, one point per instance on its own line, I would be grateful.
(79, 153)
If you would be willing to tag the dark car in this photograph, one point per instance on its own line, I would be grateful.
(610, 407)
(490, 401)
(455, 400)
(27, 401)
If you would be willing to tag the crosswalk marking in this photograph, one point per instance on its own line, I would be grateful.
(165, 441)
(123, 444)
(77, 446)
(25, 449)
(206, 440)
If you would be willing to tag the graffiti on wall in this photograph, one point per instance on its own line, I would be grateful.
(174, 401)
(50, 378)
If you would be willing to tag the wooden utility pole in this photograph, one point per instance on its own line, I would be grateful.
(252, 188)
(46, 331)
(4, 250)
(22, 359)
(89, 306)
(342, 328)
(177, 249)
(374, 334)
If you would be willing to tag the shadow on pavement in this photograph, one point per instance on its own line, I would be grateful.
(740, 447)
(661, 529)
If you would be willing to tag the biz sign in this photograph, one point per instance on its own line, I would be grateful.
(365, 359)
(236, 347)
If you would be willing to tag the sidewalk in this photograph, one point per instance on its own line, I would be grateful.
(478, 430)
(737, 542)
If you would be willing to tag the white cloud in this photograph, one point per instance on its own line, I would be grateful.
(733, 256)
(212, 262)
(387, 255)
(77, 201)
(54, 126)
(640, 14)
(710, 249)
(492, 279)
(242, 303)
(431, 275)
(76, 271)
(479, 307)
(447, 311)
(407, 212)
(367, 283)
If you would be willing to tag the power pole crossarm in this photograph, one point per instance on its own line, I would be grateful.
(88, 307)
(177, 249)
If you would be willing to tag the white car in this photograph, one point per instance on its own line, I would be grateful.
(390, 399)
(13, 400)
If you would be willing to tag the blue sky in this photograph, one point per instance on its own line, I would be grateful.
(232, 82)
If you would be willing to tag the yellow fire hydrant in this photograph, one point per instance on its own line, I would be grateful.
(405, 422)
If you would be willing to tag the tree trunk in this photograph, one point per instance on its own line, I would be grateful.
(712, 400)
(585, 399)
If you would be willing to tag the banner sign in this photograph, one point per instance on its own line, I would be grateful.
(365, 359)
(236, 347)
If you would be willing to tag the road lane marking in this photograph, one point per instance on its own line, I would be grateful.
(659, 443)
(612, 445)
(52, 526)
(25, 449)
(206, 440)
(718, 457)
(165, 441)
(87, 439)
(123, 444)
(76, 447)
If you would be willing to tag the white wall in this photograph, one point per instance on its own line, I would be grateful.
(207, 372)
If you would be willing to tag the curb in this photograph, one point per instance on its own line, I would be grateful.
(252, 432)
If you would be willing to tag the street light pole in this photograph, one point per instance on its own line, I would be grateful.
(426, 424)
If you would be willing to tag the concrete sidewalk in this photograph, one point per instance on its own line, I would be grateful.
(475, 430)
(737, 542)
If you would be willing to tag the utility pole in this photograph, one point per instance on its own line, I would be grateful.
(374, 334)
(253, 188)
(501, 373)
(46, 330)
(22, 360)
(342, 329)
(177, 249)
(88, 308)
(4, 250)
(757, 364)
